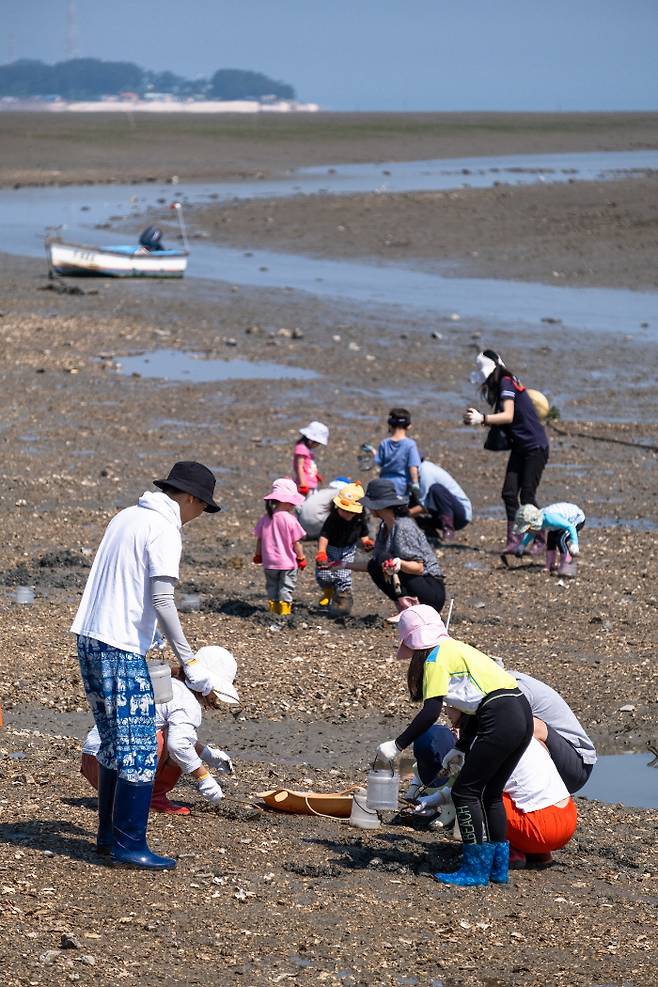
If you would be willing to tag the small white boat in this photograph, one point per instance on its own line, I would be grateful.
(73, 259)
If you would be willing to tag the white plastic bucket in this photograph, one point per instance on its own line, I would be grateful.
(383, 788)
(160, 673)
(361, 816)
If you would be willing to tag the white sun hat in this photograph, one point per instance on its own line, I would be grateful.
(316, 432)
(485, 368)
(221, 668)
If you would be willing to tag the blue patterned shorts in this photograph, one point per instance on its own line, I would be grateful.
(120, 694)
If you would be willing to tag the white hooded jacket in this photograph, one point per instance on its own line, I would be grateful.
(139, 543)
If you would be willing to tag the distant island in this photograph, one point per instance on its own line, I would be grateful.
(94, 79)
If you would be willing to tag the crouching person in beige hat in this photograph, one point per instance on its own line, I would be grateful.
(129, 592)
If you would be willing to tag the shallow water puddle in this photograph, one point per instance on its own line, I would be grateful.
(625, 778)
(28, 212)
(181, 366)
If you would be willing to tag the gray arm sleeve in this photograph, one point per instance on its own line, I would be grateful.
(162, 595)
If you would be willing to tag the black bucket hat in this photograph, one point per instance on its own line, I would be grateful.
(192, 478)
(382, 493)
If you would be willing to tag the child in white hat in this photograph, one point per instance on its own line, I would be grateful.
(279, 545)
(304, 468)
(176, 724)
(562, 522)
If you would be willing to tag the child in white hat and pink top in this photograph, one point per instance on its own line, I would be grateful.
(304, 467)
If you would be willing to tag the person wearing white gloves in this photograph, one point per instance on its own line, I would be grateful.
(130, 590)
(176, 725)
(499, 728)
(515, 425)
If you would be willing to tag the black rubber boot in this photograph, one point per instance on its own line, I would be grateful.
(107, 783)
(132, 801)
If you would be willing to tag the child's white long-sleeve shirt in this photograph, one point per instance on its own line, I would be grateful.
(180, 718)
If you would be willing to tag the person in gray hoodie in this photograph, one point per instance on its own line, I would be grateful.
(129, 593)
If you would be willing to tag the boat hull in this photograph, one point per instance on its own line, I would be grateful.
(74, 260)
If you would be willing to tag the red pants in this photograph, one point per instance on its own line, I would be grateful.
(166, 775)
(540, 831)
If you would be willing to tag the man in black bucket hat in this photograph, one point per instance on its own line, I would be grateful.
(191, 478)
(129, 593)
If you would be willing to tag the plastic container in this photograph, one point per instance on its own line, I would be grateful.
(361, 816)
(383, 788)
(24, 594)
(160, 674)
(190, 603)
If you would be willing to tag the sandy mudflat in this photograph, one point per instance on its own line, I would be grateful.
(51, 148)
(259, 898)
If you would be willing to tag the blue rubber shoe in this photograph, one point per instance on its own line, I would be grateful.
(475, 869)
(131, 813)
(500, 866)
(107, 783)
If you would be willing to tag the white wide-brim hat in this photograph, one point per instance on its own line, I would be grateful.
(221, 668)
(316, 432)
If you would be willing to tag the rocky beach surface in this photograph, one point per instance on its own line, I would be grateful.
(257, 897)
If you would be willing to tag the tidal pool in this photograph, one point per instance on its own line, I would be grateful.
(179, 365)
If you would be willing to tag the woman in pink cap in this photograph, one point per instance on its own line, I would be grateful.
(496, 728)
(279, 545)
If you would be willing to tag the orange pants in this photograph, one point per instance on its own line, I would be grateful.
(541, 831)
(167, 772)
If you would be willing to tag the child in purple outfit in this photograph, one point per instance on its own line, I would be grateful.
(278, 546)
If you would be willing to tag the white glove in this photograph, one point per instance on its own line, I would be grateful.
(196, 678)
(574, 550)
(210, 789)
(391, 566)
(217, 759)
(453, 761)
(426, 804)
(388, 751)
(473, 417)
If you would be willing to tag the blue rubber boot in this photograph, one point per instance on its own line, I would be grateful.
(107, 783)
(475, 869)
(500, 866)
(131, 813)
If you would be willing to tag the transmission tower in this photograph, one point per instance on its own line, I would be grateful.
(72, 47)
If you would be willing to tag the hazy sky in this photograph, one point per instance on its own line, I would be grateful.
(374, 54)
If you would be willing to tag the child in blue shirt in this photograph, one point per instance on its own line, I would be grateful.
(562, 521)
(398, 457)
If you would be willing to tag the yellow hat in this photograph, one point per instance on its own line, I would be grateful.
(348, 497)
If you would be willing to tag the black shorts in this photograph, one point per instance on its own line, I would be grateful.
(571, 768)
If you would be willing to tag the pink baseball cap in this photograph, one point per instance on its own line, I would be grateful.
(285, 491)
(420, 627)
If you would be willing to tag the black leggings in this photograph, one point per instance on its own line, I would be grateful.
(428, 589)
(524, 470)
(441, 504)
(560, 539)
(500, 730)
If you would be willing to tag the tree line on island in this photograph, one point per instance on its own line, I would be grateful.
(92, 78)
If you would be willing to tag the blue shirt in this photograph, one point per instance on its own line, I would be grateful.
(395, 457)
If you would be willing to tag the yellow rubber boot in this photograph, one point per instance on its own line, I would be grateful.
(285, 609)
(273, 606)
(328, 593)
